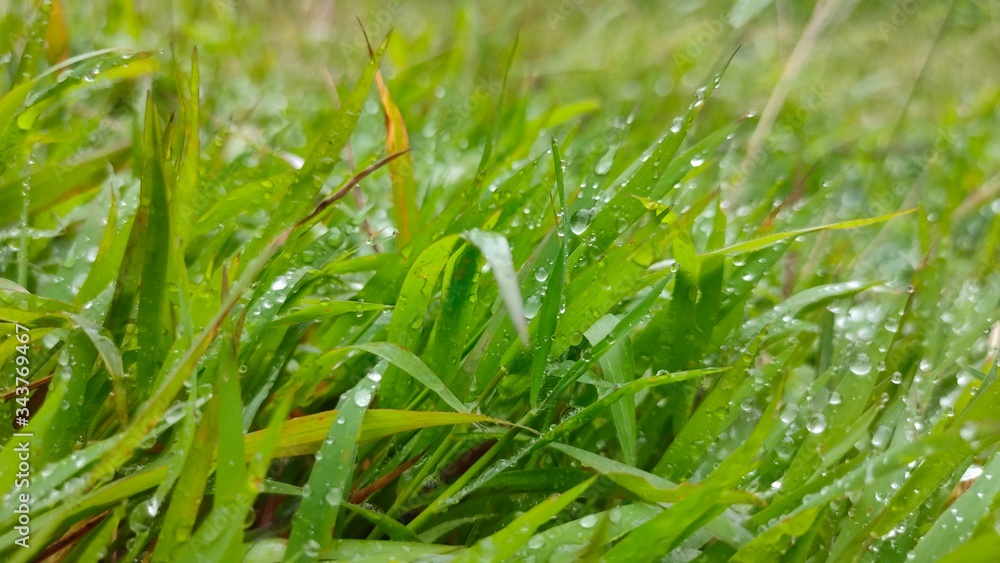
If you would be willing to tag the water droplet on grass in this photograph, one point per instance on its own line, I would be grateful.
(861, 364)
(580, 221)
(817, 424)
(362, 397)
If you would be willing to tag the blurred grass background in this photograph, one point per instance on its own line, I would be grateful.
(889, 101)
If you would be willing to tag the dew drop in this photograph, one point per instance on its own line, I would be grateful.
(817, 424)
(861, 364)
(362, 397)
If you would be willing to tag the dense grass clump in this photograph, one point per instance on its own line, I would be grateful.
(510, 283)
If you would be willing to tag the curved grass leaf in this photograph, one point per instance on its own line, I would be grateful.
(412, 365)
(496, 251)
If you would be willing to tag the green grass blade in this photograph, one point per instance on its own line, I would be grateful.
(768, 240)
(496, 251)
(327, 309)
(412, 365)
(300, 195)
(618, 368)
(548, 315)
(957, 524)
(394, 529)
(409, 314)
(315, 522)
(503, 544)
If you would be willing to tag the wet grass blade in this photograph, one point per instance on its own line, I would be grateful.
(768, 240)
(496, 251)
(325, 310)
(410, 312)
(301, 193)
(503, 544)
(548, 315)
(315, 522)
(957, 524)
(155, 255)
(417, 369)
(394, 529)
(618, 368)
